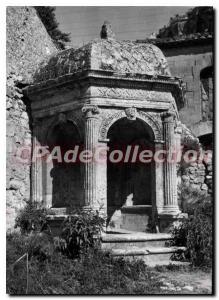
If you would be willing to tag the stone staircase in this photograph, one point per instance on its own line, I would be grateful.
(151, 247)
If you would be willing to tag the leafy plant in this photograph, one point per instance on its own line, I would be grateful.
(48, 17)
(191, 197)
(31, 219)
(81, 231)
(195, 233)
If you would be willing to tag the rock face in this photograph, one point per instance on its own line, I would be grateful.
(195, 176)
(27, 43)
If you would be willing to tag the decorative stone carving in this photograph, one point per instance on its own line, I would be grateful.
(118, 56)
(62, 118)
(168, 116)
(154, 122)
(131, 113)
(123, 93)
(106, 123)
(150, 119)
(90, 111)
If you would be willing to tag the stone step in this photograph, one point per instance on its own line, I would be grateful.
(134, 239)
(151, 247)
(135, 251)
(151, 256)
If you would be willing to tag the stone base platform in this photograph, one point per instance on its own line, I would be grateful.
(132, 218)
(151, 247)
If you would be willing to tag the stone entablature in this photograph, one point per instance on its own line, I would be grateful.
(100, 87)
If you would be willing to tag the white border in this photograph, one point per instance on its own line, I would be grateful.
(3, 93)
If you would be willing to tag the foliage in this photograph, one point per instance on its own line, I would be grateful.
(31, 219)
(195, 233)
(81, 231)
(199, 20)
(190, 197)
(94, 273)
(47, 16)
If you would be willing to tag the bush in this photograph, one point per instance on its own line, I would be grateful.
(31, 219)
(82, 231)
(195, 233)
(191, 196)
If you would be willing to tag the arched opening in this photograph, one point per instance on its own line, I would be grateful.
(130, 181)
(65, 175)
(206, 78)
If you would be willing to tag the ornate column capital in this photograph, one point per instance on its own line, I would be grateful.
(168, 116)
(178, 128)
(90, 111)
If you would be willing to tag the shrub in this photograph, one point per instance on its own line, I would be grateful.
(40, 245)
(81, 231)
(191, 196)
(195, 233)
(31, 219)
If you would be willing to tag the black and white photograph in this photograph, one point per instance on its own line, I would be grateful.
(110, 150)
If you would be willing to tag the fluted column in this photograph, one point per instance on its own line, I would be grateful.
(170, 175)
(91, 113)
(36, 168)
(159, 180)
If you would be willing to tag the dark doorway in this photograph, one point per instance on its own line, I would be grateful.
(66, 176)
(129, 184)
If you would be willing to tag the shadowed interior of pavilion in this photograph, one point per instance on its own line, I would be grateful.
(130, 182)
(66, 177)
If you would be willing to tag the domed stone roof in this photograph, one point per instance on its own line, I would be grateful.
(106, 54)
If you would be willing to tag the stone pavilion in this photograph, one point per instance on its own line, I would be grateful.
(108, 93)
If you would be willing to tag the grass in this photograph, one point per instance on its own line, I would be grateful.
(95, 273)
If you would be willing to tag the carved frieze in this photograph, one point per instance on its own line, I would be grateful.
(132, 93)
(152, 119)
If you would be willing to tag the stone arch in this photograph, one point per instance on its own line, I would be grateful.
(61, 117)
(144, 116)
(62, 181)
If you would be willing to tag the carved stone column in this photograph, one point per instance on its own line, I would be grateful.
(91, 113)
(159, 180)
(101, 166)
(36, 167)
(170, 180)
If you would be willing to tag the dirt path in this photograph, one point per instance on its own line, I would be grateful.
(186, 282)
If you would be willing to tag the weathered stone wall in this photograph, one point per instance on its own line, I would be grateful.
(194, 176)
(187, 63)
(27, 44)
